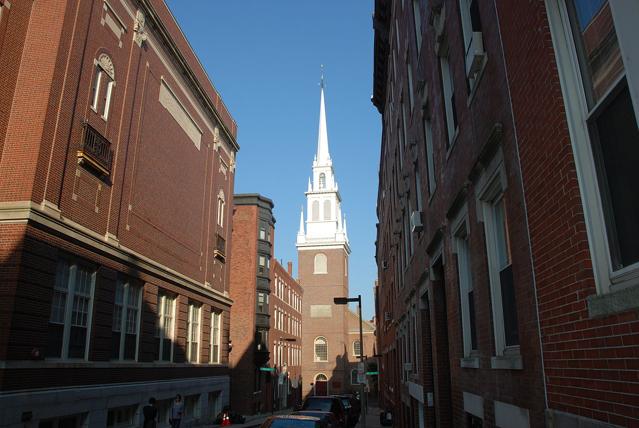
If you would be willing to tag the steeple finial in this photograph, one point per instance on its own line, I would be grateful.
(322, 156)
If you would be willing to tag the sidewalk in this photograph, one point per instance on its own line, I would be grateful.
(251, 421)
(372, 418)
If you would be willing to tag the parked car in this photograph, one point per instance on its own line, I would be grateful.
(352, 407)
(293, 421)
(327, 417)
(327, 404)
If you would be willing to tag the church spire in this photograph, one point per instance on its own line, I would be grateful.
(322, 156)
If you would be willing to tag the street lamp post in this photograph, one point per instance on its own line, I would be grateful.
(346, 301)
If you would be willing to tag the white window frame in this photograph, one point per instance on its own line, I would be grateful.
(123, 319)
(316, 358)
(492, 186)
(607, 279)
(96, 88)
(355, 354)
(448, 90)
(72, 270)
(461, 247)
(189, 341)
(160, 320)
(418, 25)
(221, 206)
(215, 357)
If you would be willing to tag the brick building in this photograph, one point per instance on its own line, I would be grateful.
(323, 251)
(285, 343)
(507, 258)
(251, 282)
(117, 157)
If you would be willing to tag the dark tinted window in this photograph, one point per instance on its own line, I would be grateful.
(321, 404)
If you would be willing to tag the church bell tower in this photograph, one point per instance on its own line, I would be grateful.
(323, 251)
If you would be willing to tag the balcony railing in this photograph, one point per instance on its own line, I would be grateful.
(95, 151)
(220, 249)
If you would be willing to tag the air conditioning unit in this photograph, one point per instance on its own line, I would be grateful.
(416, 222)
(408, 367)
(387, 316)
(475, 55)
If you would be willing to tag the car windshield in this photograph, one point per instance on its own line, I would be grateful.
(323, 405)
(293, 423)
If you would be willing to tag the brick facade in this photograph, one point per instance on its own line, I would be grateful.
(122, 176)
(253, 238)
(520, 154)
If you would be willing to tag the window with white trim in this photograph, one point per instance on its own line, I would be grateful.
(448, 91)
(126, 321)
(322, 181)
(320, 346)
(103, 84)
(596, 52)
(193, 334)
(216, 331)
(417, 23)
(500, 268)
(473, 40)
(430, 157)
(164, 327)
(327, 209)
(466, 291)
(71, 311)
(357, 348)
(315, 211)
(221, 206)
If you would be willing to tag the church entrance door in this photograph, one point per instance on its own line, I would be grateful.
(321, 385)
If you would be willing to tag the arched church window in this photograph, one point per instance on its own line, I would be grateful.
(315, 211)
(320, 264)
(321, 349)
(327, 209)
(322, 181)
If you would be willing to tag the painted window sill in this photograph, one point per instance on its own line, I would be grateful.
(507, 362)
(469, 362)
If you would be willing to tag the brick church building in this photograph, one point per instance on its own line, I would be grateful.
(323, 252)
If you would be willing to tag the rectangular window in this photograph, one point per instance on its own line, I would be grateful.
(430, 158)
(472, 33)
(501, 273)
(418, 188)
(164, 327)
(216, 323)
(71, 311)
(466, 292)
(96, 88)
(448, 89)
(192, 406)
(107, 100)
(411, 99)
(417, 21)
(193, 334)
(262, 233)
(126, 319)
(221, 205)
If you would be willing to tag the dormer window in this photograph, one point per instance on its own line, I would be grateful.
(103, 84)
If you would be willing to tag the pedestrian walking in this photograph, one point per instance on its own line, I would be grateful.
(177, 410)
(150, 413)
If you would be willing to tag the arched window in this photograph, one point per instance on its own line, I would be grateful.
(103, 84)
(320, 265)
(354, 377)
(357, 348)
(322, 181)
(327, 209)
(221, 205)
(321, 377)
(315, 213)
(321, 349)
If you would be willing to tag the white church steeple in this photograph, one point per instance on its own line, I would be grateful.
(324, 221)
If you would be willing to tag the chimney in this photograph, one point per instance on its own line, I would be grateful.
(290, 268)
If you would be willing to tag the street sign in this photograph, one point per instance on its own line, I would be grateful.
(267, 369)
(372, 373)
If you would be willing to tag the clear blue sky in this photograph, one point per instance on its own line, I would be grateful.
(264, 58)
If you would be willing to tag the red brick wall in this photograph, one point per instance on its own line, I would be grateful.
(590, 363)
